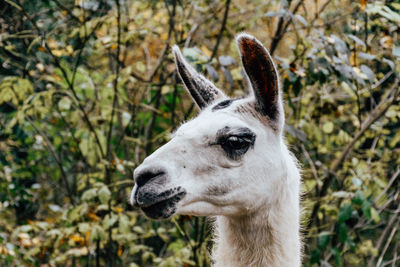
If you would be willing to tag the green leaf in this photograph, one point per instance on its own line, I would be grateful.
(336, 253)
(375, 215)
(123, 224)
(64, 103)
(323, 239)
(109, 220)
(140, 66)
(162, 233)
(345, 213)
(97, 233)
(359, 199)
(104, 194)
(84, 227)
(366, 208)
(343, 232)
(89, 194)
(74, 214)
(315, 256)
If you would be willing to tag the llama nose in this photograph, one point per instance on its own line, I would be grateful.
(144, 176)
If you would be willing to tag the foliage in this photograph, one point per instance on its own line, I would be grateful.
(88, 89)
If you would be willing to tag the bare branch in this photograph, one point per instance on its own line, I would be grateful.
(389, 239)
(391, 181)
(118, 65)
(223, 25)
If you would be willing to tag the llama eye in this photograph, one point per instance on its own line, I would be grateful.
(235, 146)
(236, 142)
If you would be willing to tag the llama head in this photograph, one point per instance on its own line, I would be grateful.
(230, 159)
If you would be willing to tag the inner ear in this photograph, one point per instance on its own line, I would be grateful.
(202, 91)
(262, 74)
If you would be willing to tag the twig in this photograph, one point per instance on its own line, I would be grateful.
(282, 27)
(372, 149)
(221, 31)
(394, 230)
(395, 258)
(319, 12)
(160, 59)
(378, 83)
(166, 46)
(190, 34)
(310, 162)
(392, 198)
(115, 97)
(394, 177)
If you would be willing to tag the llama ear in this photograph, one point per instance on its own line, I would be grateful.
(200, 88)
(262, 74)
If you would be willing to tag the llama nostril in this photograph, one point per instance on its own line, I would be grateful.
(148, 174)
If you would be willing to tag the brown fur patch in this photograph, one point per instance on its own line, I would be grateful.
(250, 108)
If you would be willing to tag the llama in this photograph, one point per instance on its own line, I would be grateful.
(230, 162)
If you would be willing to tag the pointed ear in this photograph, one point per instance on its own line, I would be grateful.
(262, 75)
(200, 88)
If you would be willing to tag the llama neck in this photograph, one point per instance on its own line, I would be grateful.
(269, 237)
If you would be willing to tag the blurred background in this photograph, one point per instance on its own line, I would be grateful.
(88, 89)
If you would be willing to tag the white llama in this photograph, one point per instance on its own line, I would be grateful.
(230, 162)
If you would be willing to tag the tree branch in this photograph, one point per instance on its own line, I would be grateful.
(221, 31)
(282, 27)
(115, 98)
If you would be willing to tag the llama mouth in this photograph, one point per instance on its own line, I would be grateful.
(165, 208)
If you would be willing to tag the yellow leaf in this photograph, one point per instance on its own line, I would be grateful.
(375, 216)
(206, 50)
(165, 89)
(118, 209)
(93, 217)
(327, 127)
(164, 36)
(57, 52)
(3, 250)
(87, 236)
(69, 50)
(36, 241)
(140, 66)
(386, 41)
(40, 67)
(363, 4)
(52, 43)
(131, 26)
